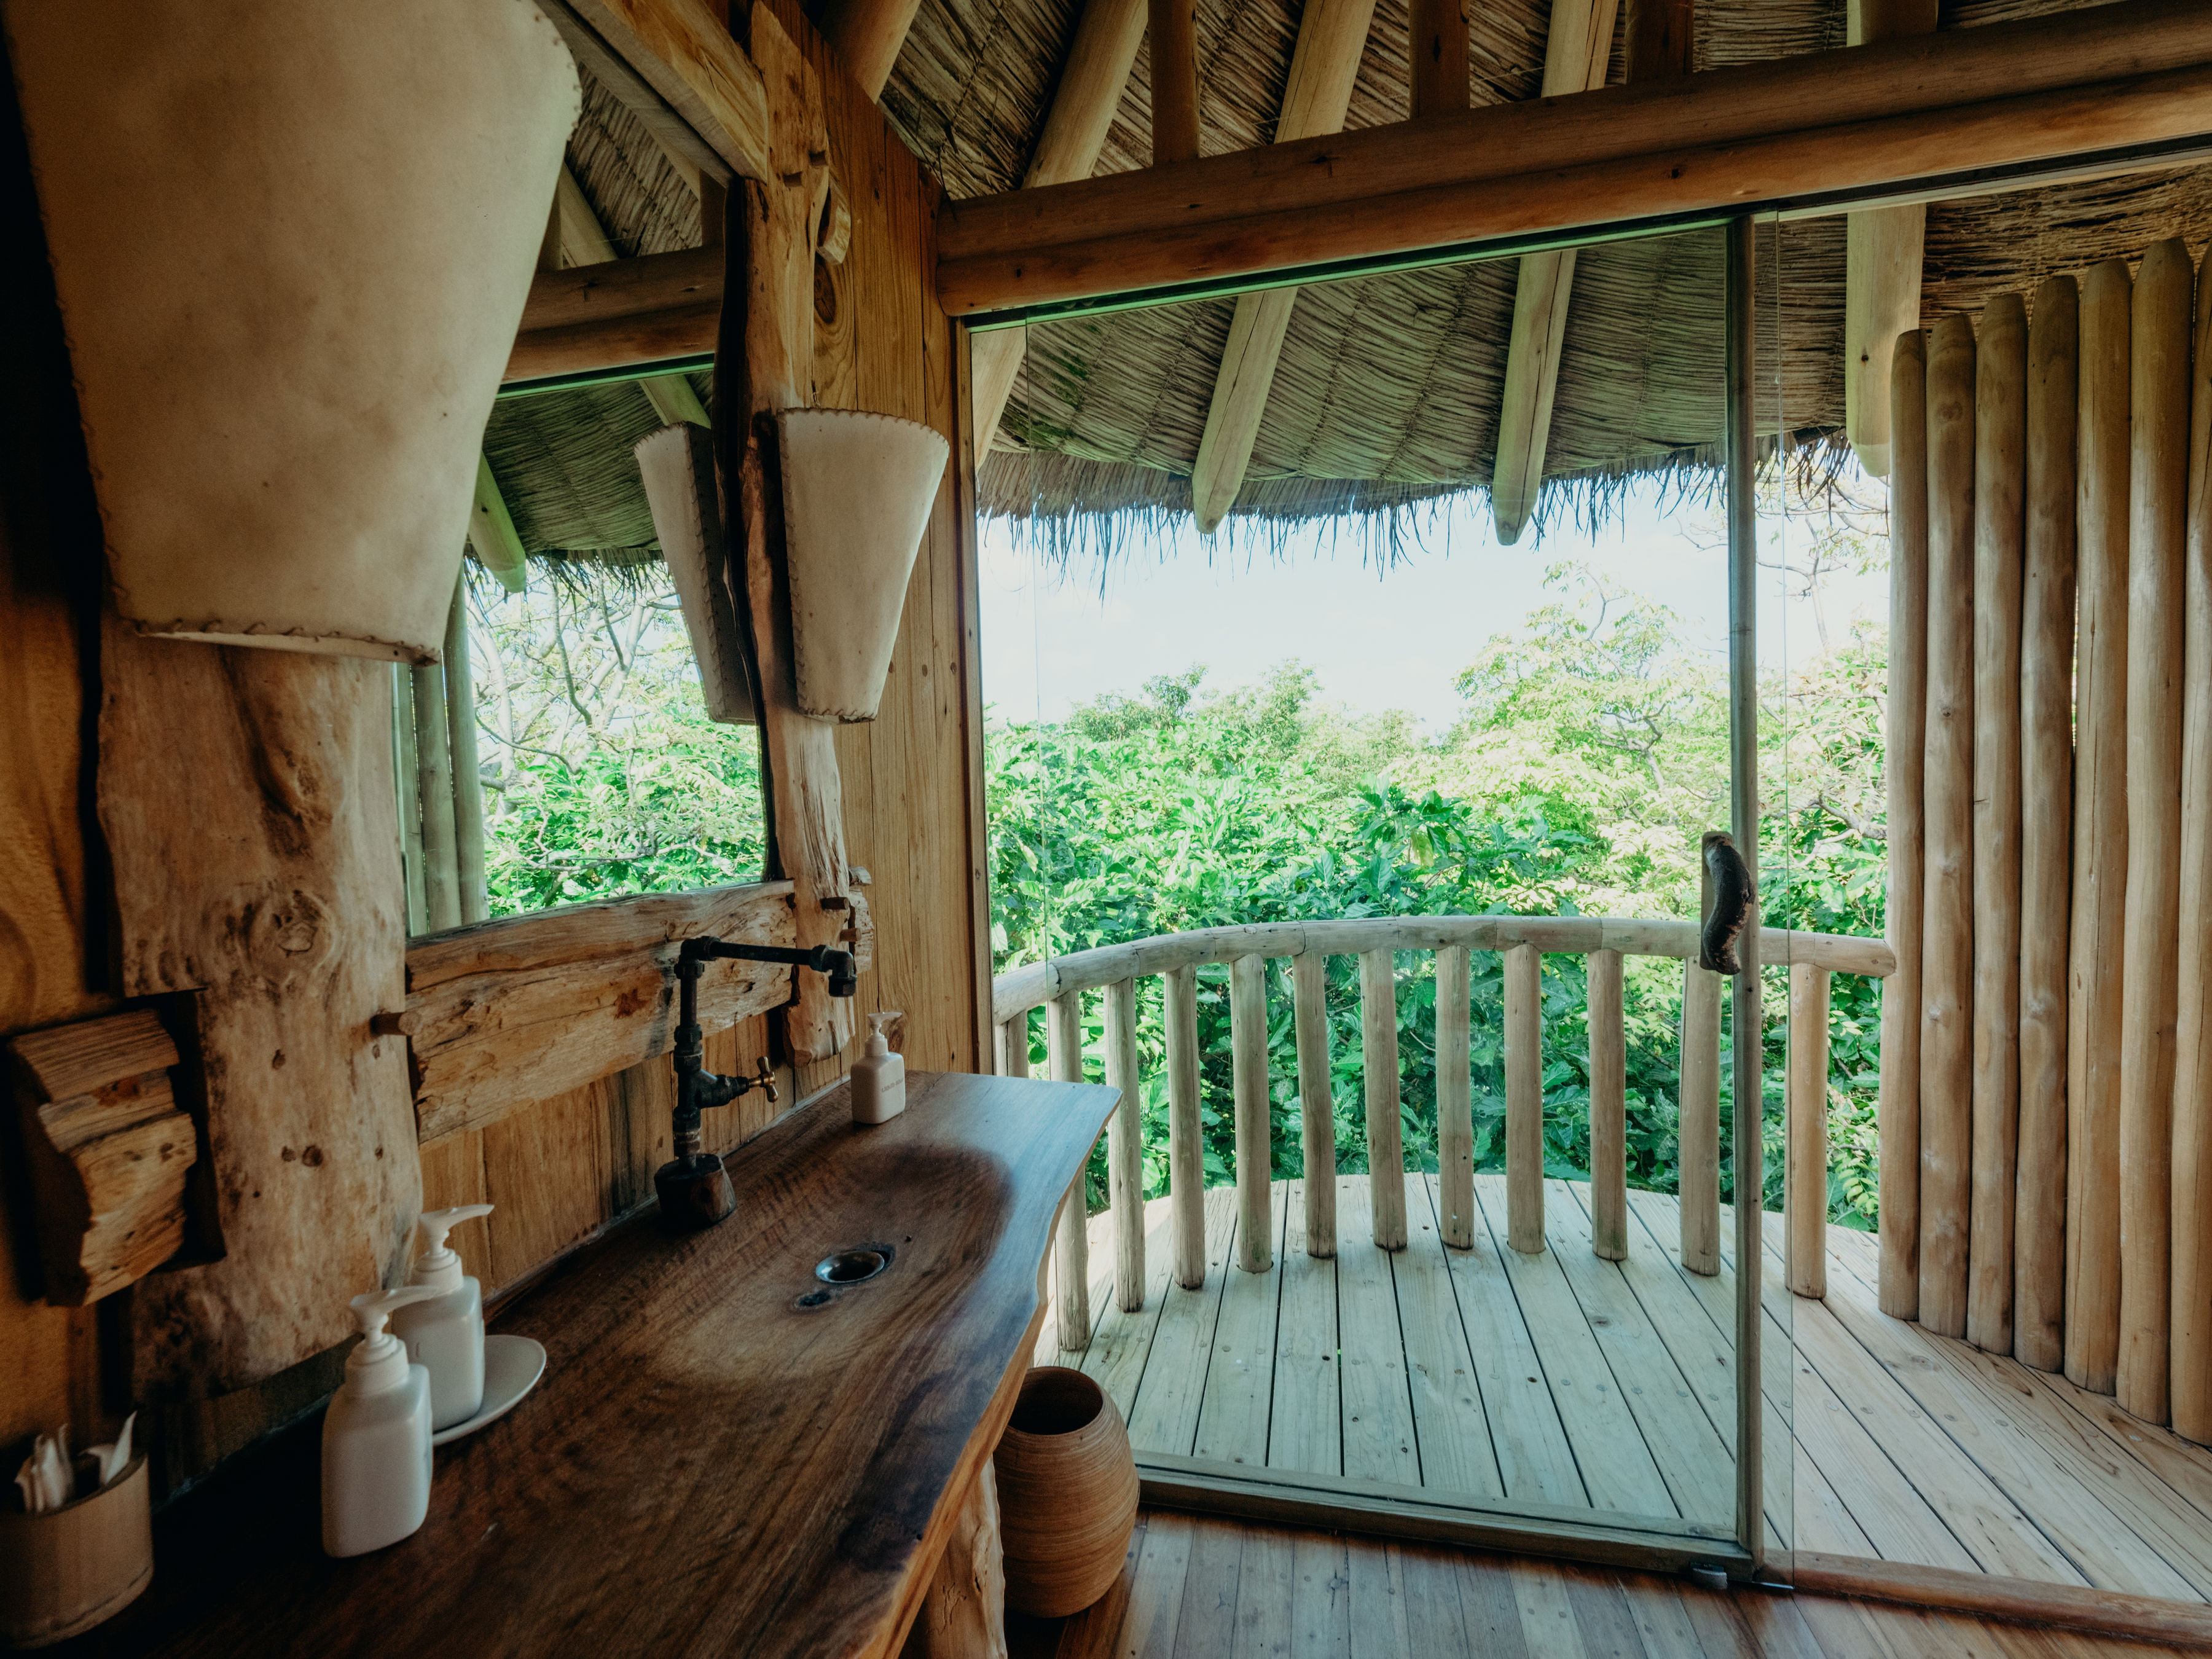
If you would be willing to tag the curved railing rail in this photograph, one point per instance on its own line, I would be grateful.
(1059, 985)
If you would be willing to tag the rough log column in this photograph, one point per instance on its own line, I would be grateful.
(763, 365)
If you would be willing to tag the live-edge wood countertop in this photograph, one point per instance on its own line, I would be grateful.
(708, 1466)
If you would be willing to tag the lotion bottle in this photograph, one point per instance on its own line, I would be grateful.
(445, 1332)
(879, 1075)
(376, 1435)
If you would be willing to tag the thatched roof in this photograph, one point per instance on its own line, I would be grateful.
(1388, 392)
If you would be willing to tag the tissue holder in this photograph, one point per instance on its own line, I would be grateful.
(65, 1572)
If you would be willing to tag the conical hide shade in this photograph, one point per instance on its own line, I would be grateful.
(857, 491)
(291, 244)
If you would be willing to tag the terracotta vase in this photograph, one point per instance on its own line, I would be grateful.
(1067, 1494)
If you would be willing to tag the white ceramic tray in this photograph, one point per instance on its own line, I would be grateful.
(513, 1365)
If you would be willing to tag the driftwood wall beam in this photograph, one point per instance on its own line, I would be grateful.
(1857, 118)
(107, 1149)
(517, 1010)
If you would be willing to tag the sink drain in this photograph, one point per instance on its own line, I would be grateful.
(854, 1266)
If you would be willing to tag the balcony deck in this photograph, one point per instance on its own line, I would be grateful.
(1565, 1379)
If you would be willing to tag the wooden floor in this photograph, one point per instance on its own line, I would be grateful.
(1564, 1379)
(1197, 1588)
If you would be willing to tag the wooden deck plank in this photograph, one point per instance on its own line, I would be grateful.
(1617, 1467)
(1266, 1580)
(1996, 1532)
(1453, 1433)
(1378, 1407)
(1207, 1624)
(1434, 1624)
(1163, 1417)
(1846, 1483)
(1662, 1621)
(1240, 1379)
(1321, 1597)
(2103, 1449)
(1121, 1341)
(1547, 1612)
(1698, 1465)
(1536, 1461)
(1306, 1430)
(1997, 1428)
(1156, 1597)
(1490, 1607)
(1377, 1596)
(1701, 1336)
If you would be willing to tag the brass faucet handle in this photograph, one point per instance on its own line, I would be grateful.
(764, 1080)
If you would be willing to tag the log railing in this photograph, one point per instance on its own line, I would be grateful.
(1059, 985)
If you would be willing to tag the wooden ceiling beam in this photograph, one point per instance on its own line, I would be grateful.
(1174, 26)
(1332, 37)
(1099, 62)
(1857, 118)
(1883, 248)
(866, 35)
(1574, 60)
(1436, 43)
(673, 64)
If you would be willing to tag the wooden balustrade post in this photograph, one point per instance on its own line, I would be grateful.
(2000, 532)
(1805, 1188)
(1316, 1099)
(1063, 1032)
(1525, 1099)
(2159, 486)
(1125, 1145)
(2100, 836)
(1608, 1109)
(1455, 1099)
(1698, 1182)
(1014, 1046)
(1898, 1115)
(1386, 1148)
(1247, 1054)
(2046, 831)
(1186, 1150)
(1947, 1052)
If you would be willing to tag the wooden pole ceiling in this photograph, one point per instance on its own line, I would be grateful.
(1574, 60)
(1853, 119)
(1332, 34)
(1882, 252)
(1091, 81)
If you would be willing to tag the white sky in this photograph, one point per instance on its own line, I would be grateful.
(1394, 639)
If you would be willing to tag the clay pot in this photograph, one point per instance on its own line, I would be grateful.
(1067, 1494)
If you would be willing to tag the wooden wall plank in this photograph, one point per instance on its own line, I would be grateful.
(2158, 388)
(2101, 838)
(2000, 443)
(1948, 918)
(2046, 784)
(2192, 1089)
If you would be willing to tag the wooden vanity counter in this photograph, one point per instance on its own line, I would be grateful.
(709, 1467)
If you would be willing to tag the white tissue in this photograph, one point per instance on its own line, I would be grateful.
(112, 1459)
(45, 1479)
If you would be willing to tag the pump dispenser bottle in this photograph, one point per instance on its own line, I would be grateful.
(376, 1435)
(445, 1332)
(879, 1075)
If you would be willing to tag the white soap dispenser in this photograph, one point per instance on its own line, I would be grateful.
(879, 1075)
(446, 1332)
(376, 1435)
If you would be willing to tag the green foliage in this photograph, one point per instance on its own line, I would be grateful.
(602, 774)
(1592, 755)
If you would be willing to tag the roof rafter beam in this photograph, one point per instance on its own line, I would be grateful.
(672, 63)
(2030, 91)
(866, 35)
(1574, 60)
(1099, 62)
(1332, 37)
(1883, 248)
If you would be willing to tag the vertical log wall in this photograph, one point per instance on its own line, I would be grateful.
(2046, 1150)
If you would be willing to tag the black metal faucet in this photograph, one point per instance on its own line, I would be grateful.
(695, 1190)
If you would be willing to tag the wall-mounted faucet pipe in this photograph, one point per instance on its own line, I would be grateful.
(694, 1189)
